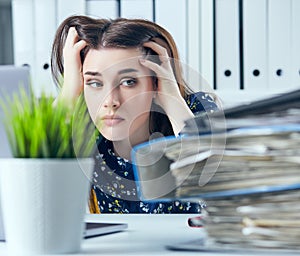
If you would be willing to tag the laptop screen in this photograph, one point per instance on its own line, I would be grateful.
(11, 79)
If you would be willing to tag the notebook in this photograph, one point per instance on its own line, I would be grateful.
(102, 228)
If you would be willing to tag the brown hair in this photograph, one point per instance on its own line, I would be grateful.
(120, 33)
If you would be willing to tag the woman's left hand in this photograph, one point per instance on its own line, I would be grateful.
(167, 86)
(168, 93)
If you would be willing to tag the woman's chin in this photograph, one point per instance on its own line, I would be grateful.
(114, 135)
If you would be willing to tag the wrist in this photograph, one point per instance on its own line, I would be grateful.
(178, 112)
(69, 96)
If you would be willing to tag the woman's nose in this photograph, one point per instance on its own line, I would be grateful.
(112, 99)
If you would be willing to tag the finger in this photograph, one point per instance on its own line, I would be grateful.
(158, 70)
(80, 44)
(151, 65)
(161, 51)
(157, 48)
(72, 39)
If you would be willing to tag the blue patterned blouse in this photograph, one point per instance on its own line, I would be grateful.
(113, 186)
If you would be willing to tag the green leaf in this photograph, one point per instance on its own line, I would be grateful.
(36, 128)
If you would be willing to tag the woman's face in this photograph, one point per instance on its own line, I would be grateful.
(118, 92)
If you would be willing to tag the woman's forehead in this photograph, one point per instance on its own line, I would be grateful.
(112, 60)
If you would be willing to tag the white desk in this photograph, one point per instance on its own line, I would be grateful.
(146, 235)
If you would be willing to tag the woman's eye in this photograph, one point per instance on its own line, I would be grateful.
(128, 82)
(94, 84)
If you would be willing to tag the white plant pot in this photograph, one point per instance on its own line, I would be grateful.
(43, 204)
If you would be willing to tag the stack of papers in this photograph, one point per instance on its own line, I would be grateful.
(244, 162)
(250, 158)
(251, 185)
(268, 219)
(262, 112)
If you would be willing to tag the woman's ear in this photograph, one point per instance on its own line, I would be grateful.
(155, 83)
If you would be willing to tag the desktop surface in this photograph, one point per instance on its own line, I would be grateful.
(146, 235)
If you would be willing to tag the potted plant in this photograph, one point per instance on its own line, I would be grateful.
(44, 187)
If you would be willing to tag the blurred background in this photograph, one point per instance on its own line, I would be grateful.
(244, 49)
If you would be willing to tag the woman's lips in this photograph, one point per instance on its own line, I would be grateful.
(112, 120)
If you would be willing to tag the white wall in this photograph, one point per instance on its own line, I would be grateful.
(263, 36)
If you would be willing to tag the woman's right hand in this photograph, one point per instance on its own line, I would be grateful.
(73, 78)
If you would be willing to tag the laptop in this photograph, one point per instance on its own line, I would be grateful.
(11, 79)
(93, 229)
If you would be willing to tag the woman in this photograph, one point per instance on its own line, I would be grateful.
(132, 81)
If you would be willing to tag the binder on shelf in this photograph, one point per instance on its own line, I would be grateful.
(279, 38)
(102, 8)
(194, 44)
(295, 43)
(23, 33)
(43, 41)
(65, 9)
(177, 29)
(137, 9)
(255, 45)
(227, 46)
(206, 41)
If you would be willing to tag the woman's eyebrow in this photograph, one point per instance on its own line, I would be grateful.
(120, 72)
(91, 73)
(127, 70)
